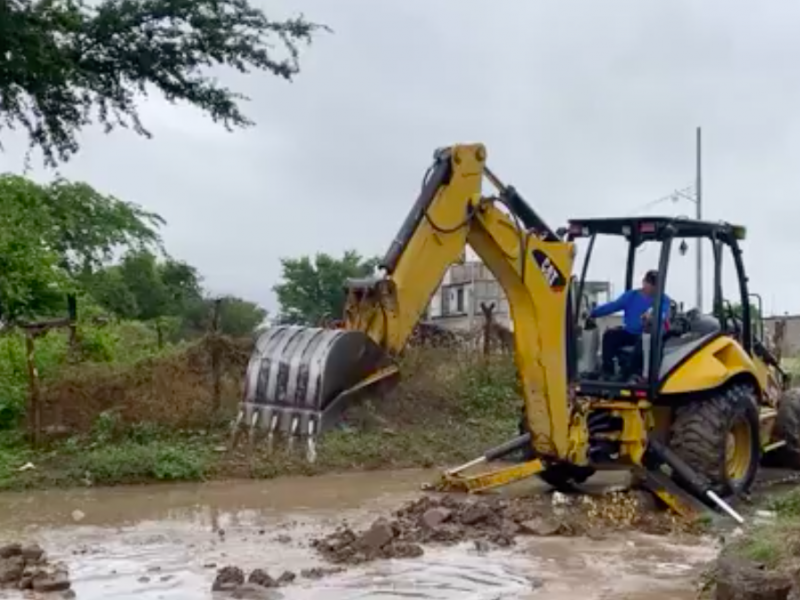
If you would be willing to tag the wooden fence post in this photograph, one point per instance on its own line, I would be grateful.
(72, 315)
(487, 309)
(159, 334)
(216, 367)
(778, 337)
(34, 404)
(32, 331)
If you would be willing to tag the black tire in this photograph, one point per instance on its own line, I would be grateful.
(787, 428)
(563, 477)
(700, 432)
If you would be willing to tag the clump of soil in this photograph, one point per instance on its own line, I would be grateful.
(737, 578)
(320, 572)
(232, 579)
(25, 567)
(495, 521)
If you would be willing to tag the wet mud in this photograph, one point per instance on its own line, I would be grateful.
(171, 542)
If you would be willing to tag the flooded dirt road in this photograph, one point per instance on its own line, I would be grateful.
(167, 542)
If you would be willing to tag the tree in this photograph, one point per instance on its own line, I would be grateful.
(310, 292)
(50, 234)
(62, 60)
(144, 288)
(31, 282)
(737, 309)
(91, 225)
(237, 317)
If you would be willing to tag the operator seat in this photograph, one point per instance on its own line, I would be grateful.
(698, 328)
(627, 354)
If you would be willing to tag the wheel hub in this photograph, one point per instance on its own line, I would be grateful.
(737, 450)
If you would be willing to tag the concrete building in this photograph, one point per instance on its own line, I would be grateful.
(456, 304)
(790, 346)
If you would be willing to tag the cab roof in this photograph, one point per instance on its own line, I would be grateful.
(655, 228)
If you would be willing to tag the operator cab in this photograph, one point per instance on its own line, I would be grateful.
(674, 335)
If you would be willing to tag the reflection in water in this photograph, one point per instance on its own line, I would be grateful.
(444, 575)
(167, 541)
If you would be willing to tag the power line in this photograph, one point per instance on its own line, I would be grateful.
(686, 193)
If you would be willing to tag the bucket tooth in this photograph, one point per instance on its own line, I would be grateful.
(272, 427)
(294, 427)
(252, 428)
(311, 442)
(299, 378)
(236, 429)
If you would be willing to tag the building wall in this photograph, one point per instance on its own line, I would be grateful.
(791, 340)
(456, 304)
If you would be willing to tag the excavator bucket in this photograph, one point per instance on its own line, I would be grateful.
(298, 379)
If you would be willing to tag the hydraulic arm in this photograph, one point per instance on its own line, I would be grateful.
(299, 376)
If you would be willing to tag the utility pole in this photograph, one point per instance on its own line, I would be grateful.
(699, 205)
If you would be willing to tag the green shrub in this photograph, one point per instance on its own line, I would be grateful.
(126, 342)
(129, 462)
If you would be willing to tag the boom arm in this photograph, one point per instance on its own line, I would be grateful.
(530, 262)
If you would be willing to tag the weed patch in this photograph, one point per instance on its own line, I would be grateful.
(134, 462)
(777, 543)
(152, 421)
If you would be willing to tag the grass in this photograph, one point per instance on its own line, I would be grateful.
(776, 543)
(447, 409)
(84, 462)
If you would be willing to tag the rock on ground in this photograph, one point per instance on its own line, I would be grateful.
(260, 584)
(25, 567)
(320, 572)
(228, 579)
(449, 519)
(262, 578)
(738, 579)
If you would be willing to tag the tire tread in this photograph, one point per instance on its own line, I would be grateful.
(699, 432)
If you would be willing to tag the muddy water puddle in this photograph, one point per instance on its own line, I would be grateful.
(167, 541)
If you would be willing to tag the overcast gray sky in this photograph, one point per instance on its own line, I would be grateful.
(588, 107)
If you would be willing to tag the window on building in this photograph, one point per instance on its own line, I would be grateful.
(460, 300)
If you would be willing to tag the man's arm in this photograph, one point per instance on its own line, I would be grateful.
(609, 308)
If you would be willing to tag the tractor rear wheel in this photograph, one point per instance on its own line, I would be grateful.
(719, 438)
(787, 429)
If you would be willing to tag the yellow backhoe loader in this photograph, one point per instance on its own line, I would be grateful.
(693, 423)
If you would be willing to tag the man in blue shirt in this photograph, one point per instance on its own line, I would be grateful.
(636, 306)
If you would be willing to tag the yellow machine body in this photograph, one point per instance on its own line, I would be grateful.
(297, 375)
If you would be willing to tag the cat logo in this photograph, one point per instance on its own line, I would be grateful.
(554, 278)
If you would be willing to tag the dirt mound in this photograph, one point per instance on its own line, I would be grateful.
(495, 521)
(175, 390)
(25, 567)
(447, 386)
